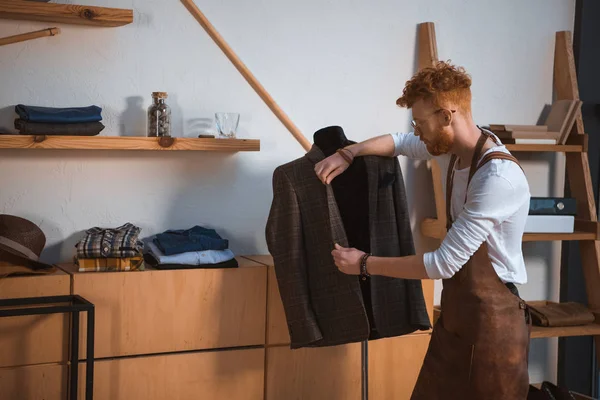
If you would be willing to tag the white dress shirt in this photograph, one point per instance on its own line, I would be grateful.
(496, 210)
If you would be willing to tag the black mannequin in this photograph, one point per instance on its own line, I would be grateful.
(352, 197)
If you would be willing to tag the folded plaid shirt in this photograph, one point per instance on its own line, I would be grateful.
(105, 242)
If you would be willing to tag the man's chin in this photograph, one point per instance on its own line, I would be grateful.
(438, 150)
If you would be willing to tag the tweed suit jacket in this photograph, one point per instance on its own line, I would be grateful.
(324, 306)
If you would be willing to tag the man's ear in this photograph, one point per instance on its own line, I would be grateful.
(446, 116)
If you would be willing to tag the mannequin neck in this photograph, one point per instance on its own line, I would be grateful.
(330, 139)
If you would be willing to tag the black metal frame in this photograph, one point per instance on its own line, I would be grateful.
(46, 305)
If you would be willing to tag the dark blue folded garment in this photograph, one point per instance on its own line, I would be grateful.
(71, 115)
(195, 239)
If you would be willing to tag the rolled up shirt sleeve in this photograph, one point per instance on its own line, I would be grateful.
(491, 199)
(409, 145)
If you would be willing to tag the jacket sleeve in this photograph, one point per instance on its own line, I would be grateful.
(285, 242)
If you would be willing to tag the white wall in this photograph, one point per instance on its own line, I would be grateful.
(337, 62)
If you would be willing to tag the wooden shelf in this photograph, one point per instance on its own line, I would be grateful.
(542, 237)
(65, 13)
(432, 228)
(126, 143)
(557, 148)
(538, 332)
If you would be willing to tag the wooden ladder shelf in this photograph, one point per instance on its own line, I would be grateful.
(580, 183)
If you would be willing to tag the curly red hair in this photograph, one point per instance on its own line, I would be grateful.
(443, 84)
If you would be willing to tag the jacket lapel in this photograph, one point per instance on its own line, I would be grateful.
(336, 226)
(373, 181)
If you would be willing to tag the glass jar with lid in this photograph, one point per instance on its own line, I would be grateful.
(159, 116)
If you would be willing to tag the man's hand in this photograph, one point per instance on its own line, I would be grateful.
(347, 260)
(330, 167)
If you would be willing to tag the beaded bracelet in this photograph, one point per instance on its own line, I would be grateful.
(363, 266)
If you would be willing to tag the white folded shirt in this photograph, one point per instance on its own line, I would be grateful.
(191, 257)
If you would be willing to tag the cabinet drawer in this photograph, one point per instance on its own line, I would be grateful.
(154, 311)
(34, 339)
(34, 382)
(322, 373)
(228, 375)
(394, 366)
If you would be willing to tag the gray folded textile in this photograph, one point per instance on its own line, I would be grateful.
(42, 128)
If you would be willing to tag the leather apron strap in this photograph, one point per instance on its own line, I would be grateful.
(476, 164)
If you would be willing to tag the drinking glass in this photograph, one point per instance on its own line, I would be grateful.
(227, 124)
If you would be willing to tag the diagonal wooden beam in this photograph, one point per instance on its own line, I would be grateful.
(428, 57)
(250, 78)
(29, 36)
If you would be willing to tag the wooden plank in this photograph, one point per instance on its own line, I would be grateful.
(387, 357)
(590, 251)
(322, 373)
(552, 148)
(35, 382)
(126, 143)
(149, 312)
(264, 259)
(559, 117)
(431, 227)
(29, 36)
(563, 331)
(538, 332)
(34, 339)
(438, 192)
(511, 128)
(65, 13)
(565, 75)
(580, 184)
(230, 375)
(588, 226)
(427, 43)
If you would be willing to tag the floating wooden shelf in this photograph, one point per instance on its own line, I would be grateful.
(575, 144)
(538, 332)
(557, 148)
(432, 228)
(65, 13)
(562, 331)
(126, 143)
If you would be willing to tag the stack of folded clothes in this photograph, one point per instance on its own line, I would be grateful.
(74, 121)
(108, 249)
(197, 247)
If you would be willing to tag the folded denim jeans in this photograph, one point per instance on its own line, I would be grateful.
(44, 128)
(196, 238)
(70, 115)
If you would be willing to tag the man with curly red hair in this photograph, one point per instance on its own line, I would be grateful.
(479, 346)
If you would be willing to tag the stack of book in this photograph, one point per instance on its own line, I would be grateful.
(556, 129)
(551, 215)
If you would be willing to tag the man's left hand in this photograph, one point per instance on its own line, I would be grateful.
(347, 260)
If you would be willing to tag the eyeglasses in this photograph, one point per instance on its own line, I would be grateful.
(414, 123)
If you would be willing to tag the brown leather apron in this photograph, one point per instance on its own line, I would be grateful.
(480, 343)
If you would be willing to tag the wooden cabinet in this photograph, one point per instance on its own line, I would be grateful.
(326, 373)
(35, 382)
(34, 339)
(394, 366)
(227, 375)
(149, 312)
